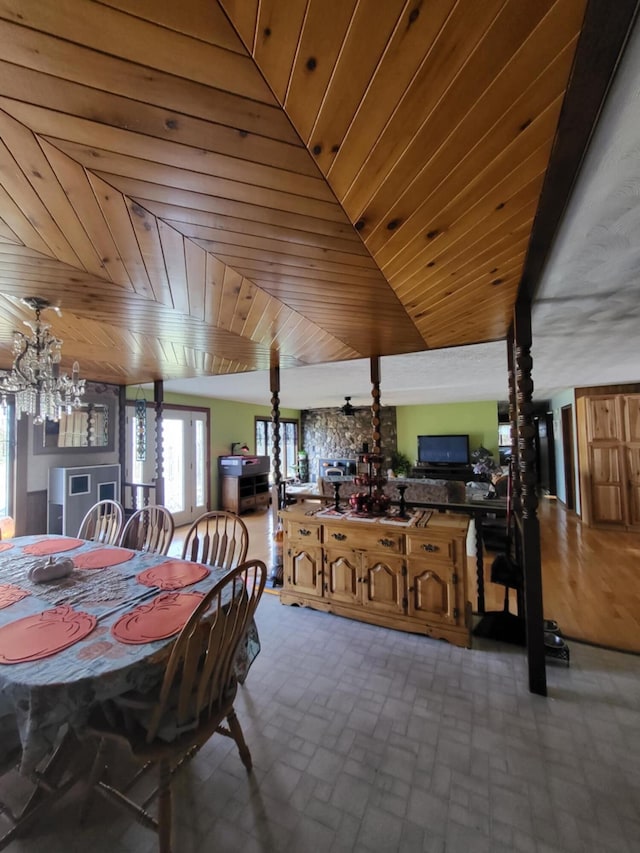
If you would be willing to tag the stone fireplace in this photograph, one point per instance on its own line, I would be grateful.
(327, 434)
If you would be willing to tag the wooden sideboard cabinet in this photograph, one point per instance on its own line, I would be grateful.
(389, 574)
(244, 483)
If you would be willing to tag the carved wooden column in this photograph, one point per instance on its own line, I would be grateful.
(375, 406)
(515, 498)
(158, 397)
(529, 500)
(277, 568)
(513, 422)
(274, 381)
(122, 437)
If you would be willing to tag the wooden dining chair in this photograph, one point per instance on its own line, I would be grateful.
(102, 523)
(217, 538)
(149, 529)
(195, 700)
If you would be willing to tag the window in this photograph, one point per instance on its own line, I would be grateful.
(504, 435)
(288, 444)
(6, 459)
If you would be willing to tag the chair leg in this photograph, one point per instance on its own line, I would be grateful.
(236, 733)
(164, 808)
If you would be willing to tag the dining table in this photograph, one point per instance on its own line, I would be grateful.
(105, 628)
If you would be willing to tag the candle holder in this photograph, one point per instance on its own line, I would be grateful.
(402, 509)
(336, 489)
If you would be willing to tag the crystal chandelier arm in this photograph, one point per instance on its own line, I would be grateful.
(20, 374)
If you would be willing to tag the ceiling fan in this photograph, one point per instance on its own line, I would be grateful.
(348, 409)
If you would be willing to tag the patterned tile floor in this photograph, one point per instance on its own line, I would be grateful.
(366, 739)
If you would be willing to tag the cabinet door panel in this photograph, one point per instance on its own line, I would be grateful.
(605, 465)
(607, 505)
(604, 419)
(342, 576)
(303, 570)
(432, 593)
(383, 584)
(633, 473)
(607, 485)
(632, 418)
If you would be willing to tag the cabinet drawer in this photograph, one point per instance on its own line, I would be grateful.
(434, 547)
(366, 539)
(247, 502)
(302, 531)
(262, 500)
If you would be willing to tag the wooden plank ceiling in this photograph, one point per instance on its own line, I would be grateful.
(197, 184)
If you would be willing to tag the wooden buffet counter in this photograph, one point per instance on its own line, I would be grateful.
(406, 574)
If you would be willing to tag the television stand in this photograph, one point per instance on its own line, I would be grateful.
(443, 472)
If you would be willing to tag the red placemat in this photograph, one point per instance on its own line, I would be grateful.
(51, 546)
(9, 594)
(174, 574)
(43, 634)
(4, 546)
(158, 619)
(101, 558)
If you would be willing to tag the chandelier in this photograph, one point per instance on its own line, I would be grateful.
(35, 378)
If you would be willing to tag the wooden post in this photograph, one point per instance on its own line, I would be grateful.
(514, 465)
(274, 381)
(277, 568)
(477, 518)
(375, 405)
(158, 397)
(122, 438)
(529, 501)
(513, 421)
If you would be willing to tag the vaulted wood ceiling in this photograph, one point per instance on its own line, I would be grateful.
(198, 184)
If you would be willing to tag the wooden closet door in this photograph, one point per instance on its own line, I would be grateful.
(606, 460)
(632, 456)
(607, 485)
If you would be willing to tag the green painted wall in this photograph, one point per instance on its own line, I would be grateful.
(228, 422)
(478, 420)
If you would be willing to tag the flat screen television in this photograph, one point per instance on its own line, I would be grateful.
(443, 449)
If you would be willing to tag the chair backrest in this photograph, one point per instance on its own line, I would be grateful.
(217, 538)
(102, 523)
(149, 529)
(199, 679)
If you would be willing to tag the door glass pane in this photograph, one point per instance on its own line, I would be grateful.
(261, 439)
(173, 448)
(288, 445)
(198, 463)
(137, 466)
(291, 449)
(5, 461)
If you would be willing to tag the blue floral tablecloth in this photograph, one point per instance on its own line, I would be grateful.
(38, 697)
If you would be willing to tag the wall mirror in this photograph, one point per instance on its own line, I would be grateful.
(91, 427)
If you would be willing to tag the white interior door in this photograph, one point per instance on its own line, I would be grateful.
(185, 455)
(184, 450)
